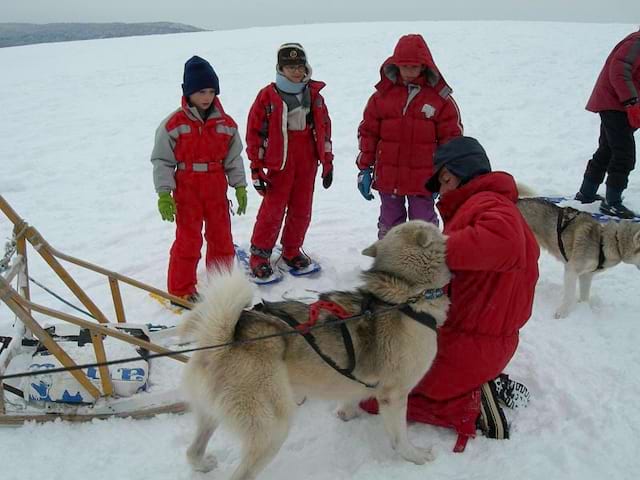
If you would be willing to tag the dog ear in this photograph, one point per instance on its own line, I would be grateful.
(371, 250)
(423, 239)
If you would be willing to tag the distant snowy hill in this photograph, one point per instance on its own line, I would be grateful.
(14, 34)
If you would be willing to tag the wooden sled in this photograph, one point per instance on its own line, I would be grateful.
(14, 271)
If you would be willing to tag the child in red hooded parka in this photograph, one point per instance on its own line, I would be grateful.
(409, 115)
(288, 134)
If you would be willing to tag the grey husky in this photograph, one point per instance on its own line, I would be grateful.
(583, 244)
(250, 388)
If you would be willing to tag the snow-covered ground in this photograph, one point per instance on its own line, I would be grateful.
(76, 130)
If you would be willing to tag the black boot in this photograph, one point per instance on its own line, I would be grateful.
(492, 421)
(584, 199)
(299, 262)
(617, 210)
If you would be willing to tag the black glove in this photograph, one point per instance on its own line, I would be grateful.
(327, 175)
(259, 179)
(327, 180)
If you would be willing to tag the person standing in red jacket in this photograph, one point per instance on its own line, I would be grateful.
(288, 134)
(197, 155)
(493, 256)
(615, 98)
(409, 115)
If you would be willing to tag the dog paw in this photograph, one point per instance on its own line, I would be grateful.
(207, 463)
(346, 413)
(419, 456)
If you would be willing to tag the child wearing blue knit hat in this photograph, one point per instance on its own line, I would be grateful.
(199, 75)
(197, 155)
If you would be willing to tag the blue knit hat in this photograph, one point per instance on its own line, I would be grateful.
(198, 75)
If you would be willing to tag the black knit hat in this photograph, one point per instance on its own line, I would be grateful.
(198, 75)
(291, 54)
(463, 156)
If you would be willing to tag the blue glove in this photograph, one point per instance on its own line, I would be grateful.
(364, 183)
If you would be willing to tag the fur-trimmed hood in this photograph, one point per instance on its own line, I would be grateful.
(412, 50)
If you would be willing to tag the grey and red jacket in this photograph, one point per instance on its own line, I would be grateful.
(403, 125)
(267, 138)
(184, 138)
(619, 81)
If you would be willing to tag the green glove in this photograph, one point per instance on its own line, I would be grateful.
(241, 196)
(166, 206)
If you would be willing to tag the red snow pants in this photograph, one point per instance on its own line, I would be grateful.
(200, 197)
(459, 413)
(290, 190)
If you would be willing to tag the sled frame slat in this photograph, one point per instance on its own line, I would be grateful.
(117, 299)
(19, 420)
(101, 357)
(19, 302)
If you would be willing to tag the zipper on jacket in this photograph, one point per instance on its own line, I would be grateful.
(413, 91)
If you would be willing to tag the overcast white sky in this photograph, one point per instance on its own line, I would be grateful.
(217, 14)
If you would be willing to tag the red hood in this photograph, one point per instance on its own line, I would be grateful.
(497, 182)
(410, 50)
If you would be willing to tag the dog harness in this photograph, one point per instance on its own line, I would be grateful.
(367, 310)
(565, 217)
(304, 329)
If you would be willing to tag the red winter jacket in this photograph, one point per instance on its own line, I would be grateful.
(211, 145)
(494, 260)
(266, 128)
(399, 133)
(619, 80)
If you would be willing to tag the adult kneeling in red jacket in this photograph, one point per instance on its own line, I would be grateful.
(494, 258)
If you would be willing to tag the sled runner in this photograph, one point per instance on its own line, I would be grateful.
(82, 394)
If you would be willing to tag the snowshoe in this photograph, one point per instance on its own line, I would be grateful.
(299, 265)
(193, 298)
(244, 261)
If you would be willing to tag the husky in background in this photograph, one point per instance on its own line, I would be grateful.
(583, 244)
(250, 387)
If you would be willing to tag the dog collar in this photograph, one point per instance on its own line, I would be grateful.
(433, 293)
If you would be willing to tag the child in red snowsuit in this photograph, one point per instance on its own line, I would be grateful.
(197, 155)
(288, 134)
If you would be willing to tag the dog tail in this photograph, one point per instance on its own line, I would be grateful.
(213, 320)
(524, 191)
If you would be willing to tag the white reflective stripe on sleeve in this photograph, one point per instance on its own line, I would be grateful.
(179, 130)
(285, 136)
(458, 115)
(445, 92)
(225, 129)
